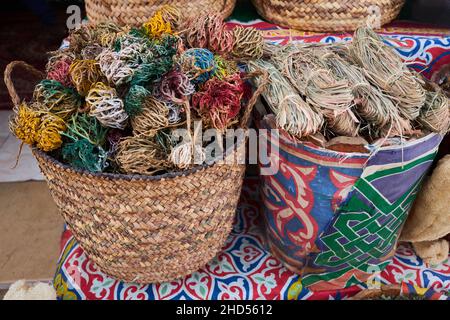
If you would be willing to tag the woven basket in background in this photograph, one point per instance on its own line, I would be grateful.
(136, 12)
(327, 15)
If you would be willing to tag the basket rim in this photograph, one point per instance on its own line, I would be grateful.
(131, 177)
(407, 144)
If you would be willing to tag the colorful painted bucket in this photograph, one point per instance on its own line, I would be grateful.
(335, 217)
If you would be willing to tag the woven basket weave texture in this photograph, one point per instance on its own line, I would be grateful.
(136, 12)
(328, 15)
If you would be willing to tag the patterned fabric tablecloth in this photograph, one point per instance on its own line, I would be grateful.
(245, 269)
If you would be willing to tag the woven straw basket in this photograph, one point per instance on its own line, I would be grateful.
(328, 15)
(145, 229)
(136, 12)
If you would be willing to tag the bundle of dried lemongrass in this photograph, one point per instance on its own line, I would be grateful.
(321, 89)
(375, 107)
(292, 113)
(383, 67)
(360, 88)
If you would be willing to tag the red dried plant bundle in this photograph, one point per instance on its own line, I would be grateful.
(219, 101)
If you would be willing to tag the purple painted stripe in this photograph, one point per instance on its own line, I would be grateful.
(394, 186)
(410, 152)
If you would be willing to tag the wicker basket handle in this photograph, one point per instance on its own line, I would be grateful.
(8, 79)
(251, 103)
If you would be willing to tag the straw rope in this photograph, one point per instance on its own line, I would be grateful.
(327, 15)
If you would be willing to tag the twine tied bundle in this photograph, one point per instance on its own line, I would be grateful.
(134, 100)
(24, 124)
(106, 106)
(175, 87)
(58, 66)
(292, 113)
(104, 34)
(84, 73)
(116, 70)
(156, 60)
(375, 107)
(248, 43)
(323, 91)
(85, 147)
(435, 113)
(190, 152)
(198, 64)
(48, 136)
(83, 155)
(37, 127)
(224, 67)
(156, 26)
(383, 68)
(91, 52)
(174, 115)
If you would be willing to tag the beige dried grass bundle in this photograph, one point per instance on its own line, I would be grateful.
(154, 116)
(384, 68)
(324, 92)
(292, 113)
(375, 107)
